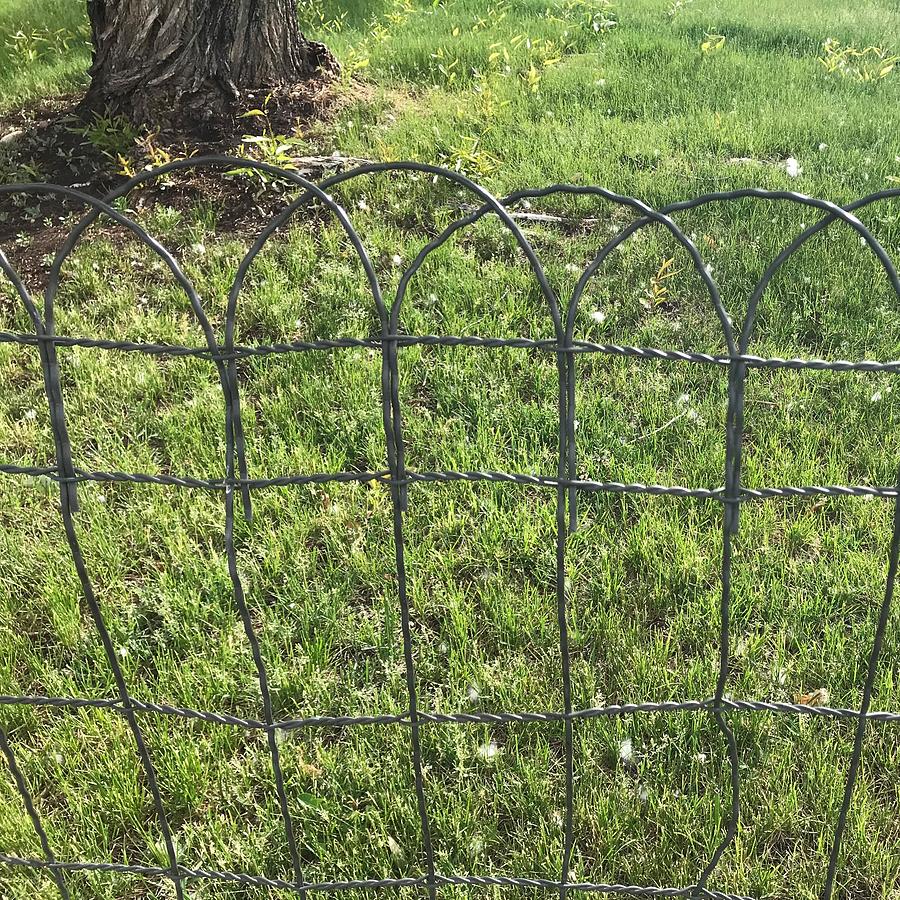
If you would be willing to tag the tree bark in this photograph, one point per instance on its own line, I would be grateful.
(187, 62)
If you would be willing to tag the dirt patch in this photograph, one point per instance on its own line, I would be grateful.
(54, 142)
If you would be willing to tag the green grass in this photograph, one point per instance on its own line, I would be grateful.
(639, 109)
(44, 49)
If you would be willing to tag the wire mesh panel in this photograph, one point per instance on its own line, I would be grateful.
(237, 490)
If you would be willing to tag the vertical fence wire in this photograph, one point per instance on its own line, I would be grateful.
(28, 802)
(229, 382)
(68, 505)
(121, 685)
(50, 375)
(5, 747)
(731, 517)
(127, 704)
(393, 426)
(262, 677)
(562, 526)
(865, 705)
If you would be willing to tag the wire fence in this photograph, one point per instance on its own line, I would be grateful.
(237, 486)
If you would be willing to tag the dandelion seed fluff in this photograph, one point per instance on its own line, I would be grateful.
(792, 167)
(488, 751)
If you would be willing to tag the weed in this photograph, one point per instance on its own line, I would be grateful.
(36, 45)
(677, 6)
(279, 150)
(868, 65)
(112, 134)
(315, 17)
(465, 154)
(659, 292)
(149, 153)
(712, 42)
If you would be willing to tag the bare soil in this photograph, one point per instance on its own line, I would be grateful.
(51, 143)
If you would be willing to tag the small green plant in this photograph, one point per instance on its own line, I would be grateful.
(596, 15)
(658, 292)
(37, 44)
(14, 171)
(275, 149)
(588, 17)
(113, 135)
(493, 16)
(379, 30)
(314, 18)
(712, 42)
(149, 153)
(354, 60)
(279, 150)
(487, 102)
(448, 68)
(528, 58)
(676, 6)
(466, 155)
(156, 154)
(400, 11)
(867, 65)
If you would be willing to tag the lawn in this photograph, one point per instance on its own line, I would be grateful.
(642, 98)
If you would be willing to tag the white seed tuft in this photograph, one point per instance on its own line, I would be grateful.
(488, 751)
(792, 167)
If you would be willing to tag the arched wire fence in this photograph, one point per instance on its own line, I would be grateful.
(237, 485)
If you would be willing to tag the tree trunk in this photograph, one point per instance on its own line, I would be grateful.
(186, 62)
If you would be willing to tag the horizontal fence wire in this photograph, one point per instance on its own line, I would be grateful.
(397, 478)
(383, 477)
(434, 340)
(712, 705)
